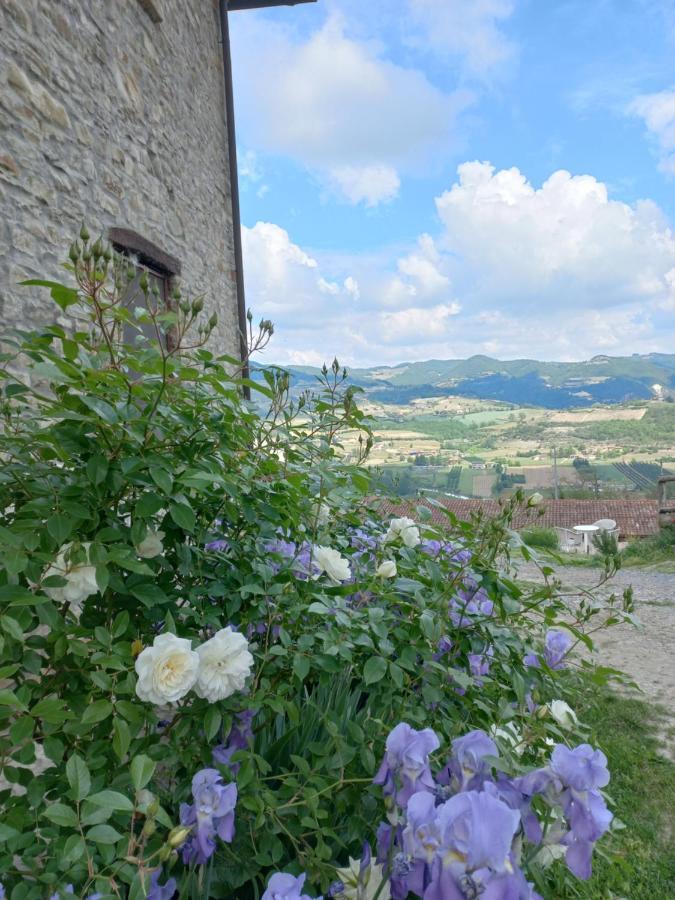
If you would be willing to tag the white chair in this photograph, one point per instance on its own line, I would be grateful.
(569, 541)
(609, 526)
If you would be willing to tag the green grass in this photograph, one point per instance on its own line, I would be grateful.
(637, 862)
(658, 548)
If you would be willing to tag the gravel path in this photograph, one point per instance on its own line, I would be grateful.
(646, 654)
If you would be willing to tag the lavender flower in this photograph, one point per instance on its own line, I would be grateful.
(285, 887)
(161, 891)
(405, 767)
(470, 602)
(212, 812)
(556, 646)
(479, 663)
(467, 767)
(583, 769)
(239, 738)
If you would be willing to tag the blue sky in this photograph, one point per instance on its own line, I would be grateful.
(436, 178)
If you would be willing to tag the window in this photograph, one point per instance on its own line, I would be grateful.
(147, 257)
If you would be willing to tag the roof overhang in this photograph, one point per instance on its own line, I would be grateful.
(234, 5)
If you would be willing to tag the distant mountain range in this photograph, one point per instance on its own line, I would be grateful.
(524, 382)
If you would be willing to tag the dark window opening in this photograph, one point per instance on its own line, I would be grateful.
(160, 268)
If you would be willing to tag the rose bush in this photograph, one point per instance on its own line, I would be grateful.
(208, 630)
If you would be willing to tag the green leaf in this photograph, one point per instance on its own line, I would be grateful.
(301, 667)
(60, 527)
(142, 770)
(183, 516)
(16, 595)
(9, 698)
(62, 295)
(97, 712)
(78, 776)
(212, 722)
(111, 800)
(52, 710)
(101, 407)
(121, 738)
(396, 673)
(103, 834)
(60, 814)
(374, 669)
(148, 504)
(162, 479)
(7, 832)
(97, 469)
(149, 594)
(22, 729)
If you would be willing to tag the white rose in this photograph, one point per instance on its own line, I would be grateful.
(330, 562)
(535, 499)
(562, 713)
(151, 545)
(167, 670)
(386, 569)
(224, 665)
(405, 529)
(510, 736)
(372, 882)
(80, 577)
(320, 514)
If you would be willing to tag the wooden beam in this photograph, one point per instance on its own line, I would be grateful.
(235, 5)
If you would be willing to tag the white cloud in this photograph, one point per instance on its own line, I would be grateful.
(565, 242)
(560, 272)
(469, 29)
(658, 113)
(339, 107)
(368, 184)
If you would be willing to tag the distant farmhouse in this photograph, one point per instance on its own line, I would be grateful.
(119, 114)
(634, 518)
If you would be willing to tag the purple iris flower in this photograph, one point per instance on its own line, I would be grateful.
(470, 602)
(467, 767)
(405, 767)
(285, 887)
(583, 769)
(444, 647)
(239, 738)
(212, 812)
(531, 660)
(556, 646)
(300, 555)
(161, 891)
(479, 663)
(479, 828)
(219, 545)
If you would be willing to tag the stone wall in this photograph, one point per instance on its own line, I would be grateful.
(114, 118)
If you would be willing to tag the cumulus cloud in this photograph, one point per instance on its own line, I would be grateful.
(558, 271)
(339, 107)
(566, 242)
(468, 30)
(658, 113)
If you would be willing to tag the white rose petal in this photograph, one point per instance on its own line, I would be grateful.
(332, 563)
(224, 665)
(405, 530)
(535, 499)
(167, 670)
(510, 736)
(386, 569)
(563, 713)
(80, 577)
(151, 545)
(321, 514)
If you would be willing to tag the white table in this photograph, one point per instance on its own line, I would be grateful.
(586, 531)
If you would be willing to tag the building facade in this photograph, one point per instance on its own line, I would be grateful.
(112, 112)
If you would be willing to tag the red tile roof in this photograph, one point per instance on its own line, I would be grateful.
(635, 518)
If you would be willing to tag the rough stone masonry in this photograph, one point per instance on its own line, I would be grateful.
(113, 113)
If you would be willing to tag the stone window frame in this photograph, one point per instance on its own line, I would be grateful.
(150, 257)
